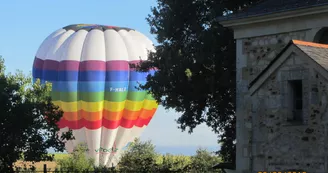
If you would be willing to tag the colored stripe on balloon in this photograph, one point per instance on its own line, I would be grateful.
(103, 123)
(112, 116)
(96, 94)
(93, 65)
(60, 86)
(90, 65)
(106, 105)
(100, 96)
(54, 75)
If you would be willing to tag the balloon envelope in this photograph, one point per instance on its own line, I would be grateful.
(93, 83)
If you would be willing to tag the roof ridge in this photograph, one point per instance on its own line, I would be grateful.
(315, 51)
(266, 7)
(308, 43)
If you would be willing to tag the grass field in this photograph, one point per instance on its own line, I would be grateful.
(59, 156)
(39, 165)
(52, 165)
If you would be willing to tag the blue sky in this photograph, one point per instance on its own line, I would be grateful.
(25, 24)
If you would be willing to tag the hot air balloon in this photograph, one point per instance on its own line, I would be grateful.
(96, 87)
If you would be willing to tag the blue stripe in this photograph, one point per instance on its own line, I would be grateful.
(95, 86)
(53, 75)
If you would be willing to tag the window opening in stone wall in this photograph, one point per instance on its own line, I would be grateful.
(324, 38)
(296, 100)
(321, 36)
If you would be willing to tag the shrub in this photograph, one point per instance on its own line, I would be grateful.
(76, 161)
(140, 157)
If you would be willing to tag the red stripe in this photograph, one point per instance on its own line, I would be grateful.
(103, 123)
(93, 65)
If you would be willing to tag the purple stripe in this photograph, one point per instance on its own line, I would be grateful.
(93, 65)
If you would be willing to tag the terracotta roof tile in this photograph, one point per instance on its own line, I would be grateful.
(311, 44)
(317, 52)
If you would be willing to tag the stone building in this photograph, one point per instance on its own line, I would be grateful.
(282, 80)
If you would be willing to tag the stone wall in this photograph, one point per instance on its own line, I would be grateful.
(253, 55)
(277, 144)
(259, 51)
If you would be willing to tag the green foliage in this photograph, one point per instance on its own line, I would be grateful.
(203, 161)
(27, 120)
(195, 58)
(140, 157)
(59, 156)
(78, 161)
(173, 163)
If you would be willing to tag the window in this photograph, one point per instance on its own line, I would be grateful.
(321, 36)
(324, 38)
(296, 100)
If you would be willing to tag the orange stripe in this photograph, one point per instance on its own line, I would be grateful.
(305, 43)
(113, 116)
(145, 113)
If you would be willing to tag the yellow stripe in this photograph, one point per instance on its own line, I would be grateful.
(106, 105)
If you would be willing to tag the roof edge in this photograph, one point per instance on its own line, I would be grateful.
(270, 64)
(277, 15)
(306, 43)
(291, 42)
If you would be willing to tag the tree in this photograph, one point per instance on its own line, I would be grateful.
(24, 130)
(140, 157)
(203, 161)
(195, 58)
(173, 163)
(77, 161)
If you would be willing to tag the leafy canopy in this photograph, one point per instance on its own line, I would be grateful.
(77, 161)
(27, 120)
(142, 157)
(195, 58)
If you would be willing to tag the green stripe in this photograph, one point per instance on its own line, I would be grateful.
(149, 97)
(99, 96)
